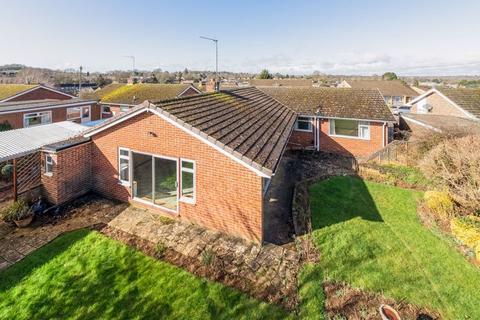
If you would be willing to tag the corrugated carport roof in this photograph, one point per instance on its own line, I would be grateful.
(20, 142)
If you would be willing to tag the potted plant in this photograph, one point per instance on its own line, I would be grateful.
(20, 213)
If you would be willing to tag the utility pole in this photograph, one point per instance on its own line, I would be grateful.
(80, 81)
(217, 81)
(133, 64)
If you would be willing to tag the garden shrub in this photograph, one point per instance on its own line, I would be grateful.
(160, 249)
(16, 211)
(467, 230)
(6, 172)
(5, 126)
(455, 164)
(439, 202)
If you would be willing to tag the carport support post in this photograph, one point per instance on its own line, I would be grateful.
(15, 187)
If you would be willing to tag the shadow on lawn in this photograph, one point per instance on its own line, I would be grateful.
(340, 199)
(15, 273)
(109, 282)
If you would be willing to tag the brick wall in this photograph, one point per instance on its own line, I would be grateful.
(228, 195)
(352, 146)
(58, 115)
(440, 106)
(71, 174)
(41, 94)
(301, 139)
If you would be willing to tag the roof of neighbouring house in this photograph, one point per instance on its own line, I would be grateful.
(467, 99)
(386, 87)
(8, 90)
(244, 123)
(348, 103)
(9, 107)
(281, 82)
(442, 123)
(133, 94)
(20, 142)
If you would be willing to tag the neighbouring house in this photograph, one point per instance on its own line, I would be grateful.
(354, 122)
(425, 125)
(207, 159)
(395, 92)
(116, 98)
(464, 103)
(23, 114)
(23, 92)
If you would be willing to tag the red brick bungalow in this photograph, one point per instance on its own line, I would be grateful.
(116, 98)
(207, 159)
(353, 122)
(25, 114)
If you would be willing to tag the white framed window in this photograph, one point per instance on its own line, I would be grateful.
(350, 128)
(48, 164)
(303, 124)
(187, 181)
(397, 100)
(74, 113)
(106, 110)
(37, 118)
(124, 166)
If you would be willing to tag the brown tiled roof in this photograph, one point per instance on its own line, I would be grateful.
(386, 87)
(281, 82)
(137, 93)
(333, 102)
(244, 122)
(448, 124)
(467, 99)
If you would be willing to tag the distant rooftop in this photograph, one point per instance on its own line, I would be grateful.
(281, 82)
(136, 93)
(386, 87)
(8, 90)
(467, 99)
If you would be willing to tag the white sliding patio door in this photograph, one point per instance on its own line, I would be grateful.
(155, 180)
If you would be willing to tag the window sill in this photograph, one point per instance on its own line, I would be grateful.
(187, 200)
(348, 137)
(124, 183)
(301, 130)
(48, 174)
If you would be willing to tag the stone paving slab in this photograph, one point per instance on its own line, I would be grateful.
(270, 271)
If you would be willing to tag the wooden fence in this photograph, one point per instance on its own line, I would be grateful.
(397, 151)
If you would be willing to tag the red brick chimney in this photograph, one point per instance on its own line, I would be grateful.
(210, 86)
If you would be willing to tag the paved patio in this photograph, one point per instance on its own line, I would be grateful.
(17, 243)
(267, 272)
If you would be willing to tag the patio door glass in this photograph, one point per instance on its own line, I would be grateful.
(165, 187)
(142, 176)
(155, 180)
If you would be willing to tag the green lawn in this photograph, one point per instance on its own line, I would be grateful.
(85, 275)
(369, 236)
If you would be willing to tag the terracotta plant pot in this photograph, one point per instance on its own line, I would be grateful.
(388, 313)
(24, 222)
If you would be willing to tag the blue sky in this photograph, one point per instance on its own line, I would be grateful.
(335, 37)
